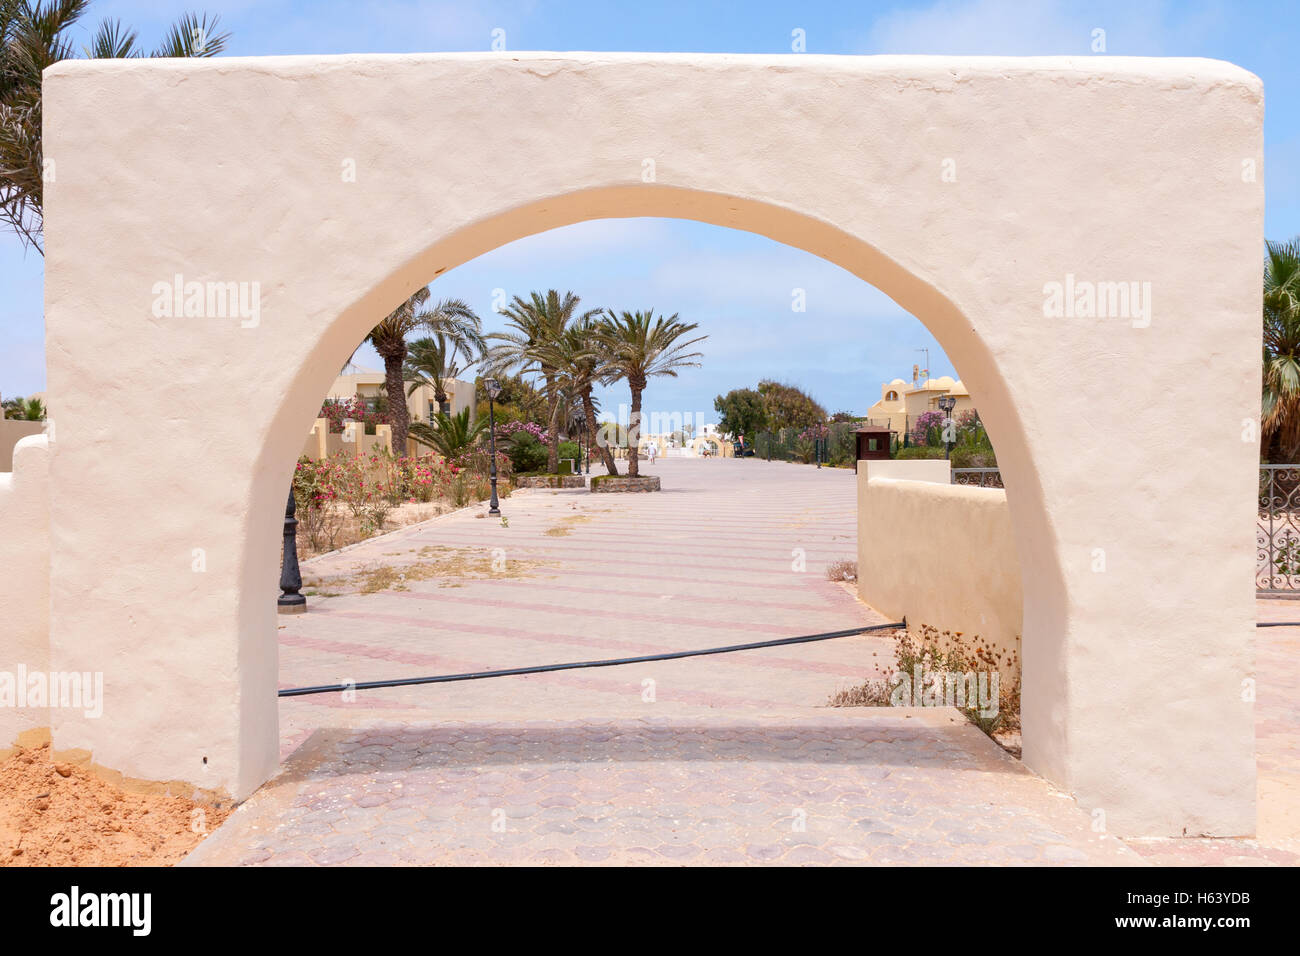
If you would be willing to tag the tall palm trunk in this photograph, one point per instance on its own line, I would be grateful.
(634, 428)
(553, 440)
(398, 415)
(553, 435)
(589, 409)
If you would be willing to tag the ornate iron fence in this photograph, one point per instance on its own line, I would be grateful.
(983, 477)
(1277, 531)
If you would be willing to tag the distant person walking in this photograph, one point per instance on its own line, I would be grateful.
(651, 452)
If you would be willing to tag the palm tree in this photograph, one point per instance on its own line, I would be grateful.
(449, 435)
(433, 363)
(585, 363)
(532, 345)
(24, 409)
(35, 34)
(451, 318)
(641, 347)
(1280, 419)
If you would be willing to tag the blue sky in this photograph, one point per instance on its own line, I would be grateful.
(737, 286)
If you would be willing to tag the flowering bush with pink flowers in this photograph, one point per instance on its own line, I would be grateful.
(366, 488)
(921, 430)
(510, 429)
(336, 411)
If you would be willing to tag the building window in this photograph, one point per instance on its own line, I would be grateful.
(891, 397)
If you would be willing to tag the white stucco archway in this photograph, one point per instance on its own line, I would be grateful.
(960, 187)
(716, 445)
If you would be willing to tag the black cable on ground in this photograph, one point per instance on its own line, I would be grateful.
(1277, 623)
(546, 668)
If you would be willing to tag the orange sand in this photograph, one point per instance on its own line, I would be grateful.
(58, 814)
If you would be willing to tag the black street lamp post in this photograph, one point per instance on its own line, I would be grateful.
(290, 601)
(947, 403)
(493, 388)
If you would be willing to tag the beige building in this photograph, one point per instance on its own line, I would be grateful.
(901, 403)
(368, 386)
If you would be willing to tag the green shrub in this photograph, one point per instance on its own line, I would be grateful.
(919, 451)
(973, 456)
(570, 449)
(842, 444)
(526, 453)
(973, 450)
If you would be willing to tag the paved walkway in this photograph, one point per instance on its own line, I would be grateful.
(728, 759)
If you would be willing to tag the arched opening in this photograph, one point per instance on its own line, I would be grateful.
(912, 292)
(916, 293)
(708, 445)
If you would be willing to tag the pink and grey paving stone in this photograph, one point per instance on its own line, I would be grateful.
(733, 759)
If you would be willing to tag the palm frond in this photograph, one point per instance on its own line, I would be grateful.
(449, 435)
(34, 35)
(1280, 398)
(193, 35)
(112, 41)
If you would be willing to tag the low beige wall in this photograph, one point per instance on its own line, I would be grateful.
(936, 470)
(940, 555)
(25, 585)
(11, 433)
(314, 446)
(353, 440)
(381, 440)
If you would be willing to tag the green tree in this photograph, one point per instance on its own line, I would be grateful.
(1280, 418)
(531, 344)
(449, 435)
(640, 347)
(788, 406)
(24, 409)
(742, 413)
(451, 318)
(35, 34)
(435, 362)
(518, 400)
(584, 361)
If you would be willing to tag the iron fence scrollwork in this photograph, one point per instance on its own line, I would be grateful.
(1277, 531)
(981, 477)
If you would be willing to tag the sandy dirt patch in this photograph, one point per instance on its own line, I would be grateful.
(58, 814)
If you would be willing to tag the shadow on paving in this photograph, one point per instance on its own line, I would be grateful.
(335, 751)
